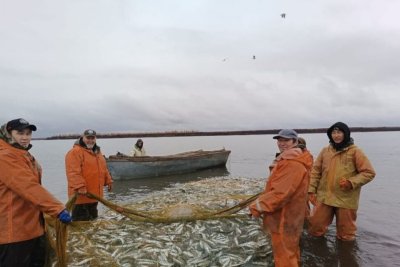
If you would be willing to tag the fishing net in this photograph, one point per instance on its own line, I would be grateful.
(200, 223)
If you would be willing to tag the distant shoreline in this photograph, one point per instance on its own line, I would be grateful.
(213, 133)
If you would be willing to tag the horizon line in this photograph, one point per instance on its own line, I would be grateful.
(214, 133)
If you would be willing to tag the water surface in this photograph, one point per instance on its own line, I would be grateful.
(378, 237)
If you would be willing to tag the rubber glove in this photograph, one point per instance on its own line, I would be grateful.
(82, 190)
(345, 184)
(254, 213)
(312, 197)
(64, 216)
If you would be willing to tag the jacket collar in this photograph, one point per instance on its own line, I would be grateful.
(79, 142)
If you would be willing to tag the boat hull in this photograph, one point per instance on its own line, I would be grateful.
(127, 168)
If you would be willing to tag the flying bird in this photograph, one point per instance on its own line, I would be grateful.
(283, 15)
(254, 57)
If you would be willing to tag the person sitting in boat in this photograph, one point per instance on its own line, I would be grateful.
(138, 149)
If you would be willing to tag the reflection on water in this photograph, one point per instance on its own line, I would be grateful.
(348, 253)
(328, 251)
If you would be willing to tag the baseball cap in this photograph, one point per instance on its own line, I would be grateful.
(89, 132)
(19, 124)
(286, 133)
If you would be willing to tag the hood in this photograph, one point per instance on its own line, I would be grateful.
(4, 134)
(347, 141)
(297, 154)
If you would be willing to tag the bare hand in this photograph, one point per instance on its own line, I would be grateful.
(253, 212)
(109, 187)
(312, 197)
(345, 184)
(82, 190)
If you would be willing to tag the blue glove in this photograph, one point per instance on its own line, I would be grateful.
(64, 216)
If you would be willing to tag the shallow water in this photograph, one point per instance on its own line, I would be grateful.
(378, 238)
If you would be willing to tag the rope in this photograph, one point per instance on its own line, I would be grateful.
(61, 234)
(152, 217)
(117, 208)
(241, 205)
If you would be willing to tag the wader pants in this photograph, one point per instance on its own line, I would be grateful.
(85, 212)
(286, 249)
(322, 216)
(29, 253)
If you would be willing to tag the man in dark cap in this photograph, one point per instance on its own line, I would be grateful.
(86, 171)
(23, 199)
(338, 174)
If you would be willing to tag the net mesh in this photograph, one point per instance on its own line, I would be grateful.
(200, 223)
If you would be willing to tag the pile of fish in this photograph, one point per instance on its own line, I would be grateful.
(113, 240)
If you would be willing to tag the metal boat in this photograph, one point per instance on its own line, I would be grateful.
(124, 167)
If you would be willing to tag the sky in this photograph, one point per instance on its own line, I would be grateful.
(200, 65)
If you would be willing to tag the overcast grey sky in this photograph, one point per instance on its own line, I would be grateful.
(153, 65)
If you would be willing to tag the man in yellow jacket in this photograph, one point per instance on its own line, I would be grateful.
(283, 203)
(338, 174)
(86, 171)
(23, 199)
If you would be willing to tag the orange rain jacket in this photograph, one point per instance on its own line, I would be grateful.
(330, 166)
(283, 202)
(86, 168)
(22, 198)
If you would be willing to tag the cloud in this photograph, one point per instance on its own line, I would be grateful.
(164, 66)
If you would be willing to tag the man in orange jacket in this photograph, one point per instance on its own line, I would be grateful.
(86, 171)
(283, 203)
(23, 199)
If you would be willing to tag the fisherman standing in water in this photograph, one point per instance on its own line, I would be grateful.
(23, 199)
(283, 203)
(86, 171)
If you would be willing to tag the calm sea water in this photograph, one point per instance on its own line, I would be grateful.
(378, 237)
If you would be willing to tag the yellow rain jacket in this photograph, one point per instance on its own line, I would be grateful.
(330, 166)
(22, 198)
(86, 168)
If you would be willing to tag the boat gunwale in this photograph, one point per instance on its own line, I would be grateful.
(180, 156)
